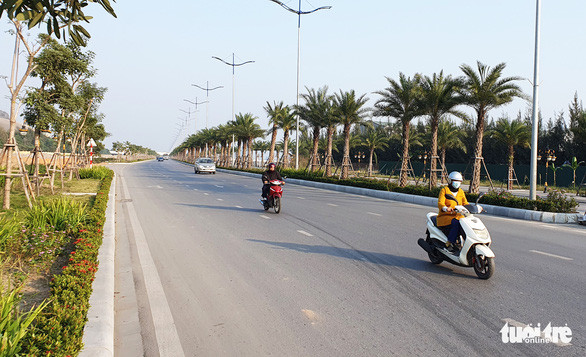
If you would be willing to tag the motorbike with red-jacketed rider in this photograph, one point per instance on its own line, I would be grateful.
(274, 197)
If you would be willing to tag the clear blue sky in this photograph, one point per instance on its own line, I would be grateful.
(149, 57)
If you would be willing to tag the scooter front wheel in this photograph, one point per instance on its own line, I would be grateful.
(277, 204)
(483, 266)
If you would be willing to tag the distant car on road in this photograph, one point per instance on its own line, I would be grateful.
(204, 164)
(160, 158)
(165, 157)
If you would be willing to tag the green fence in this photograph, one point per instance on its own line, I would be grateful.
(564, 175)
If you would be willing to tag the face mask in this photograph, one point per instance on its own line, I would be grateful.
(456, 184)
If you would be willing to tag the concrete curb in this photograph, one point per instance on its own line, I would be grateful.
(98, 333)
(517, 213)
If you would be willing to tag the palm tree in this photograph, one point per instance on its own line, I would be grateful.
(449, 136)
(485, 90)
(286, 121)
(574, 165)
(402, 101)
(249, 130)
(274, 112)
(439, 97)
(374, 139)
(315, 111)
(349, 109)
(511, 133)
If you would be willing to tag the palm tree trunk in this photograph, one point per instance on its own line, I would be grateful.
(510, 174)
(273, 143)
(346, 159)
(443, 158)
(433, 162)
(475, 182)
(405, 160)
(286, 149)
(249, 163)
(330, 135)
(315, 161)
(370, 162)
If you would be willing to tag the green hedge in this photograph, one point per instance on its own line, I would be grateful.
(556, 201)
(58, 331)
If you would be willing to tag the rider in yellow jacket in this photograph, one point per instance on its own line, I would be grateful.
(450, 197)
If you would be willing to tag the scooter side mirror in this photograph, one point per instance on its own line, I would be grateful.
(479, 197)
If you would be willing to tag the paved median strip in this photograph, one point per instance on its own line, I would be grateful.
(550, 255)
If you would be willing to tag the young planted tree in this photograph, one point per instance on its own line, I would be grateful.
(511, 133)
(401, 100)
(439, 97)
(57, 15)
(485, 89)
(349, 109)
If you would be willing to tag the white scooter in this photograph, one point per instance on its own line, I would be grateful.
(474, 238)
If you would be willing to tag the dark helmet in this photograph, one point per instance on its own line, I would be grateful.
(272, 164)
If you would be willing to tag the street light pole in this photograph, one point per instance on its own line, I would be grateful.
(234, 65)
(196, 103)
(207, 89)
(299, 13)
(534, 115)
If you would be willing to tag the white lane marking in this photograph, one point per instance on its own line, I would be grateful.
(219, 186)
(238, 206)
(219, 199)
(550, 255)
(205, 193)
(375, 214)
(301, 198)
(265, 217)
(195, 189)
(165, 329)
(332, 204)
(520, 324)
(305, 233)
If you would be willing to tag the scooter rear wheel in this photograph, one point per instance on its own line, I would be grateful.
(483, 267)
(277, 204)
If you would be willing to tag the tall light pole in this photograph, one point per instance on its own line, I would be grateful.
(234, 65)
(208, 90)
(196, 103)
(535, 114)
(299, 13)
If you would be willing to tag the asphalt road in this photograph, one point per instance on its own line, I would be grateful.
(202, 270)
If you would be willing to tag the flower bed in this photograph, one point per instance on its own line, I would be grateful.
(58, 330)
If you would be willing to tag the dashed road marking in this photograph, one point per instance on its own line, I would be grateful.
(332, 204)
(305, 233)
(195, 189)
(550, 255)
(301, 198)
(375, 214)
(219, 199)
(205, 193)
(219, 186)
(238, 206)
(265, 217)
